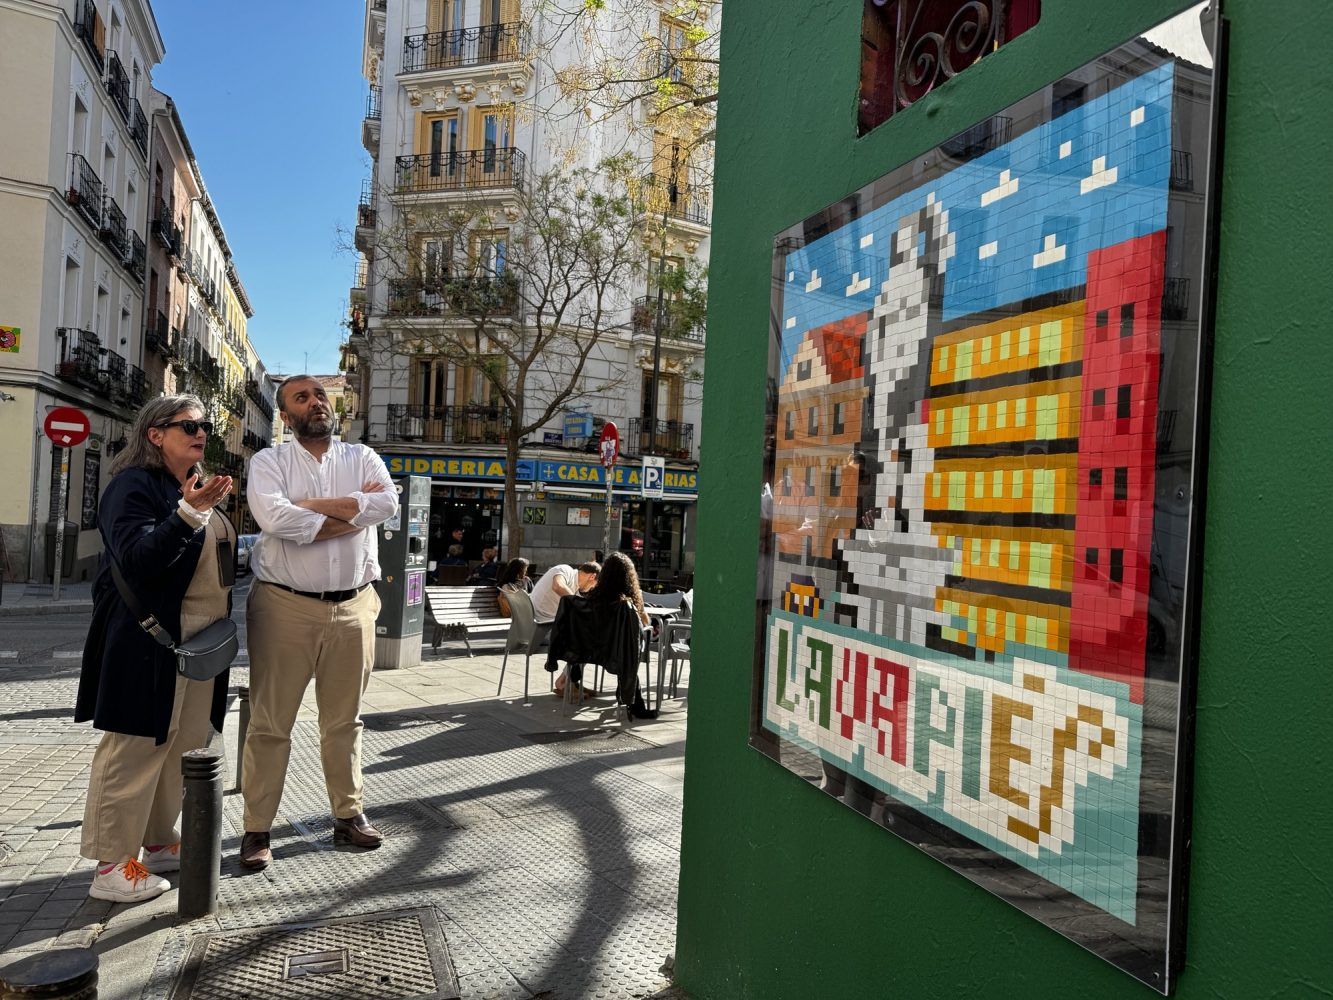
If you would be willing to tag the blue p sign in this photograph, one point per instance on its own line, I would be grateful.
(654, 476)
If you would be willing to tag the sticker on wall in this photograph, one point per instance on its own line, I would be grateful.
(977, 577)
(534, 515)
(10, 338)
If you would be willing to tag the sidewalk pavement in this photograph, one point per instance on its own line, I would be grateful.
(38, 598)
(545, 845)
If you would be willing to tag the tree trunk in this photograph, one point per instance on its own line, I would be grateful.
(511, 495)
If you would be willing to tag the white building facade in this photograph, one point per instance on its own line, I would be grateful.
(464, 108)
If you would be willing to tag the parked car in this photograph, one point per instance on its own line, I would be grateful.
(244, 545)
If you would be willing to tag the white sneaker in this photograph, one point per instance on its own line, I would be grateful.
(127, 882)
(165, 859)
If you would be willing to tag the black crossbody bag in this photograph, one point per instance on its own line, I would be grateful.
(204, 656)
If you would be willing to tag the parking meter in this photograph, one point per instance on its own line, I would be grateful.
(402, 583)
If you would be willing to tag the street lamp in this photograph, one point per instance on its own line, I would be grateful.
(671, 192)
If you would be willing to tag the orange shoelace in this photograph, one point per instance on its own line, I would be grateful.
(135, 872)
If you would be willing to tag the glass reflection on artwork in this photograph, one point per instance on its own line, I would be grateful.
(981, 473)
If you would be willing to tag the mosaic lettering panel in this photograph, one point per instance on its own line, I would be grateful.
(981, 469)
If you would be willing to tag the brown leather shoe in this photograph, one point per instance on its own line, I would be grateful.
(356, 831)
(255, 852)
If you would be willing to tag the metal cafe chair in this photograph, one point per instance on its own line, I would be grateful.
(525, 634)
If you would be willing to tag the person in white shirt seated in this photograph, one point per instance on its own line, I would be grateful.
(560, 581)
(312, 611)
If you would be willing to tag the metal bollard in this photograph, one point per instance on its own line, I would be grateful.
(243, 713)
(63, 974)
(201, 833)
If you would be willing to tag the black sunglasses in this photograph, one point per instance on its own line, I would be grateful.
(190, 427)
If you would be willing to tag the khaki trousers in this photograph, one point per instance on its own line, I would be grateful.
(292, 639)
(134, 793)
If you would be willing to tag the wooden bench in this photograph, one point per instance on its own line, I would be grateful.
(463, 612)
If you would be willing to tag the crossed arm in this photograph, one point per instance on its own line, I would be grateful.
(318, 519)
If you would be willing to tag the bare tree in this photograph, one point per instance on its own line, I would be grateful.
(661, 58)
(519, 291)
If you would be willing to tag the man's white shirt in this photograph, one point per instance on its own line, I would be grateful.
(287, 552)
(545, 600)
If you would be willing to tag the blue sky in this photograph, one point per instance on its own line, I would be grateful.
(272, 98)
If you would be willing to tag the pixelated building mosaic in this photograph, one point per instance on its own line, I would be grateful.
(963, 486)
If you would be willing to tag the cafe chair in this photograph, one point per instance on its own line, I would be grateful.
(525, 634)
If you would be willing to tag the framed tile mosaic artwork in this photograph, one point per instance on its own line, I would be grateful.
(980, 532)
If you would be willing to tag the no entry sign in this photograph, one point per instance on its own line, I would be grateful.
(609, 445)
(67, 426)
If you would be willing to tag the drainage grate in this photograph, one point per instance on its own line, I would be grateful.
(586, 741)
(391, 955)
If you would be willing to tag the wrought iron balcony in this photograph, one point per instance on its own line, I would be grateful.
(80, 356)
(460, 297)
(489, 43)
(1182, 170)
(113, 231)
(176, 345)
(134, 257)
(164, 227)
(118, 83)
(138, 386)
(157, 334)
(1176, 299)
(88, 27)
(686, 202)
(111, 370)
(474, 423)
(85, 190)
(373, 104)
(138, 126)
(674, 439)
(473, 169)
(675, 326)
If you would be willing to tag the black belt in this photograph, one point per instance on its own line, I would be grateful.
(321, 595)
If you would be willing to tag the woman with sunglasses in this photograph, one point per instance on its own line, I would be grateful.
(178, 557)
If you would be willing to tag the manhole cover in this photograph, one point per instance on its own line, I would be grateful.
(585, 741)
(391, 955)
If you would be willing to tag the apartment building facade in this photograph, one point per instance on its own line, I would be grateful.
(112, 251)
(74, 191)
(465, 109)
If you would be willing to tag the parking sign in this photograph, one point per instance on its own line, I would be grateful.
(654, 476)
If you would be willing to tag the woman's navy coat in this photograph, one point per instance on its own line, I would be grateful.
(128, 682)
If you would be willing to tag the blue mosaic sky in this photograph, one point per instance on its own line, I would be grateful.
(1025, 214)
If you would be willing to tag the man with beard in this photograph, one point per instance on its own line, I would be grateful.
(311, 611)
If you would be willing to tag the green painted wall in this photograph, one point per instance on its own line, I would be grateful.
(785, 893)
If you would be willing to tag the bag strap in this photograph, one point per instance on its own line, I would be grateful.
(147, 621)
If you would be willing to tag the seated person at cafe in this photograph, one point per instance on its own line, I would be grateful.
(487, 570)
(605, 626)
(514, 575)
(455, 557)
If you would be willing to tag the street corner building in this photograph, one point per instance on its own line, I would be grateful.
(989, 423)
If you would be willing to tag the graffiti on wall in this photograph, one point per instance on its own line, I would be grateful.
(971, 555)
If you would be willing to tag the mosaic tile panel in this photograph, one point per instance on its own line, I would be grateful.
(980, 473)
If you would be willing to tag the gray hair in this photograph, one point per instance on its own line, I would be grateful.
(141, 453)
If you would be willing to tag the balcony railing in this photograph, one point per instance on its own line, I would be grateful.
(475, 423)
(1176, 299)
(373, 104)
(88, 26)
(138, 126)
(164, 227)
(674, 438)
(490, 43)
(80, 356)
(473, 169)
(688, 203)
(118, 83)
(85, 190)
(111, 369)
(137, 383)
(460, 297)
(157, 334)
(113, 230)
(134, 258)
(1182, 170)
(643, 318)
